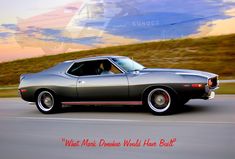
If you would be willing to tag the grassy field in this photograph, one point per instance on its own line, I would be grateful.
(8, 93)
(225, 88)
(214, 54)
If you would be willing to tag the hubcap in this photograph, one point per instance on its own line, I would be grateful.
(45, 101)
(159, 100)
(48, 101)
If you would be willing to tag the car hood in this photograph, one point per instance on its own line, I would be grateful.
(180, 72)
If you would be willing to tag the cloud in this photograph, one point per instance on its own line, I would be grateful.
(50, 32)
(71, 8)
(154, 19)
(4, 35)
(84, 41)
(228, 1)
(218, 27)
(56, 35)
(12, 27)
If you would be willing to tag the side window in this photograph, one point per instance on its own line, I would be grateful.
(108, 68)
(99, 67)
(76, 69)
(84, 68)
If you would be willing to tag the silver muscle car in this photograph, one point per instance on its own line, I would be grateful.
(115, 80)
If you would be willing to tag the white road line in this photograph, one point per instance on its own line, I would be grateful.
(127, 120)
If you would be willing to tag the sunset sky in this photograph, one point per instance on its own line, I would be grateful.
(37, 28)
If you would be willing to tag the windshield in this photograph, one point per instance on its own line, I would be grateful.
(128, 64)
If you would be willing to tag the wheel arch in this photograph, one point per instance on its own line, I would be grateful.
(43, 89)
(149, 88)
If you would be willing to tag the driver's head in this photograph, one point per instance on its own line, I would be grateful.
(107, 65)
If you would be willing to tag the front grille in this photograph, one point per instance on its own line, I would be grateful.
(213, 82)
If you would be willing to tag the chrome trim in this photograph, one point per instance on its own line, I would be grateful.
(192, 74)
(212, 95)
(66, 72)
(115, 64)
(118, 67)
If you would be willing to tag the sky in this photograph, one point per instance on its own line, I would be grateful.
(38, 28)
(11, 9)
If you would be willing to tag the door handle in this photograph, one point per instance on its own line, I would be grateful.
(81, 82)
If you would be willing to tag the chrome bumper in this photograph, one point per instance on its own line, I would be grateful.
(211, 85)
(209, 95)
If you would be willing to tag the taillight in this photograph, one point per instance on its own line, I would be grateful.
(197, 85)
(23, 90)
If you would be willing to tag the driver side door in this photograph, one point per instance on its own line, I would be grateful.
(92, 85)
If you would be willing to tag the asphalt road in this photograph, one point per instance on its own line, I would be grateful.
(203, 129)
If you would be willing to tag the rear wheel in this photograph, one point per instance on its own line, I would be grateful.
(160, 101)
(47, 103)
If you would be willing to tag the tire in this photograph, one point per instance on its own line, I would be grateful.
(47, 102)
(160, 101)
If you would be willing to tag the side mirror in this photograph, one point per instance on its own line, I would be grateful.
(136, 72)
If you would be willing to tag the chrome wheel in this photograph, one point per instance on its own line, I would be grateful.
(45, 101)
(159, 100)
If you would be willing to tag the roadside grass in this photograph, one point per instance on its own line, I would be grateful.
(6, 93)
(213, 54)
(225, 88)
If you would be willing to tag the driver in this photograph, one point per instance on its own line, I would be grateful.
(107, 68)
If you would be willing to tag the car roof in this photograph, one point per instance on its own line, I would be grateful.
(94, 58)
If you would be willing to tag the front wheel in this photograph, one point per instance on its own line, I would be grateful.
(160, 101)
(47, 103)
